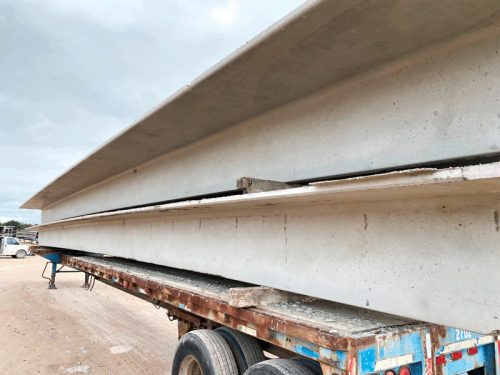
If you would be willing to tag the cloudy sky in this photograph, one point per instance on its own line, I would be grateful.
(75, 72)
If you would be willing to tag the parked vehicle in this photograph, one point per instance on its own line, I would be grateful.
(11, 246)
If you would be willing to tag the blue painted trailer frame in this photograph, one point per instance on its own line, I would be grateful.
(427, 350)
(384, 346)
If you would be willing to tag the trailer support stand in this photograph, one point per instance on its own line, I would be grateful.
(52, 281)
(86, 283)
(54, 259)
(52, 277)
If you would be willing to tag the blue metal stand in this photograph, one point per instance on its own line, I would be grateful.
(54, 259)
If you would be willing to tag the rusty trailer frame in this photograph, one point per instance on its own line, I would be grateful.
(344, 340)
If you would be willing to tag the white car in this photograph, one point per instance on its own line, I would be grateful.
(11, 246)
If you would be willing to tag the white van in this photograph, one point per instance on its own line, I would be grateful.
(11, 246)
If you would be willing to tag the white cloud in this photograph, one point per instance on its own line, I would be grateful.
(113, 14)
(225, 14)
(41, 127)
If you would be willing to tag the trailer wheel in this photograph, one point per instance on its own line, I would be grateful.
(246, 349)
(278, 367)
(203, 352)
(20, 254)
(313, 366)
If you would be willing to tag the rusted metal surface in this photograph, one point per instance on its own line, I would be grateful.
(424, 348)
(437, 332)
(188, 307)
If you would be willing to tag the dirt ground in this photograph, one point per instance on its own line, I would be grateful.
(74, 331)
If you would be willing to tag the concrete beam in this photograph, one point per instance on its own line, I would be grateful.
(438, 103)
(321, 43)
(421, 244)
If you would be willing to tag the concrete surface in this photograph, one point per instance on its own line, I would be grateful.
(411, 104)
(74, 331)
(438, 103)
(399, 243)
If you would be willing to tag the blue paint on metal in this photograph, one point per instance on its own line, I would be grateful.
(483, 358)
(342, 359)
(456, 335)
(308, 349)
(415, 368)
(305, 351)
(53, 257)
(335, 355)
(367, 359)
(491, 365)
(392, 346)
(395, 346)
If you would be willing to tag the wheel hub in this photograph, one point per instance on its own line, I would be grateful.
(190, 366)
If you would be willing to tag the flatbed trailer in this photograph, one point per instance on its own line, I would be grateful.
(351, 152)
(328, 337)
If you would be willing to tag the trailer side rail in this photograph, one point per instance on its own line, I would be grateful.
(344, 340)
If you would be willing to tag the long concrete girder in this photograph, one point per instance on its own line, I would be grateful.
(439, 103)
(422, 244)
(320, 44)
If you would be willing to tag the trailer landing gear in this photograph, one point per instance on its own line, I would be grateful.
(54, 259)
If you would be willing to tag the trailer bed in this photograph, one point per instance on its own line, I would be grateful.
(342, 339)
(329, 317)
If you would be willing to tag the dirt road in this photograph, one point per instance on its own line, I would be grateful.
(74, 331)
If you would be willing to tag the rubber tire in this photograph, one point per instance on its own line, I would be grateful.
(278, 367)
(209, 349)
(20, 254)
(313, 366)
(246, 349)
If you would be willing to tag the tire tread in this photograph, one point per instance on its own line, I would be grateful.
(280, 367)
(251, 352)
(217, 347)
(220, 359)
